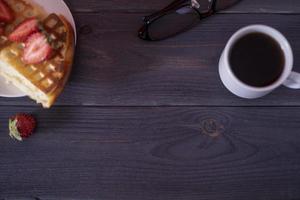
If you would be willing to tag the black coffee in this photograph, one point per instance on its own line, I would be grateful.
(257, 60)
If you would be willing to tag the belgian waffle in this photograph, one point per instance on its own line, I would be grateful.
(42, 82)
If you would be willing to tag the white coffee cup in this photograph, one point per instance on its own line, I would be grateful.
(288, 78)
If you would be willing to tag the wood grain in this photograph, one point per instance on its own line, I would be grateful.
(115, 68)
(154, 153)
(152, 121)
(246, 6)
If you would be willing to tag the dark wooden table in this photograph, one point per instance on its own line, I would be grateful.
(146, 121)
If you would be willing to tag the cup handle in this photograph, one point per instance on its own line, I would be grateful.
(293, 81)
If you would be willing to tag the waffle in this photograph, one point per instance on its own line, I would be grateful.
(42, 82)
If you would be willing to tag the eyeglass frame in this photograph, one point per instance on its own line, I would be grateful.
(174, 6)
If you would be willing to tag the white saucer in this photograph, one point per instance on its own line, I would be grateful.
(53, 6)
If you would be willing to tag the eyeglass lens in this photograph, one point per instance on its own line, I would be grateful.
(173, 23)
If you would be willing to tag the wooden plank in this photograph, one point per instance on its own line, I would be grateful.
(154, 153)
(115, 68)
(246, 6)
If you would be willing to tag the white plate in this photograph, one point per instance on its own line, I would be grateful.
(53, 6)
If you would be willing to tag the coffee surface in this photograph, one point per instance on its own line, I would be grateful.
(257, 60)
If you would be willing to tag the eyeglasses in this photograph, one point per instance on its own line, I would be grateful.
(178, 17)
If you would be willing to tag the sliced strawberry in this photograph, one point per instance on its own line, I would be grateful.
(37, 49)
(6, 13)
(1, 30)
(25, 29)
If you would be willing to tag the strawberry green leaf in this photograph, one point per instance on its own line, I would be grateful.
(13, 130)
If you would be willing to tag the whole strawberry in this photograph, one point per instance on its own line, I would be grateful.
(21, 126)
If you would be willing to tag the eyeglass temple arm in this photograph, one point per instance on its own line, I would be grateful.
(175, 5)
(211, 10)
